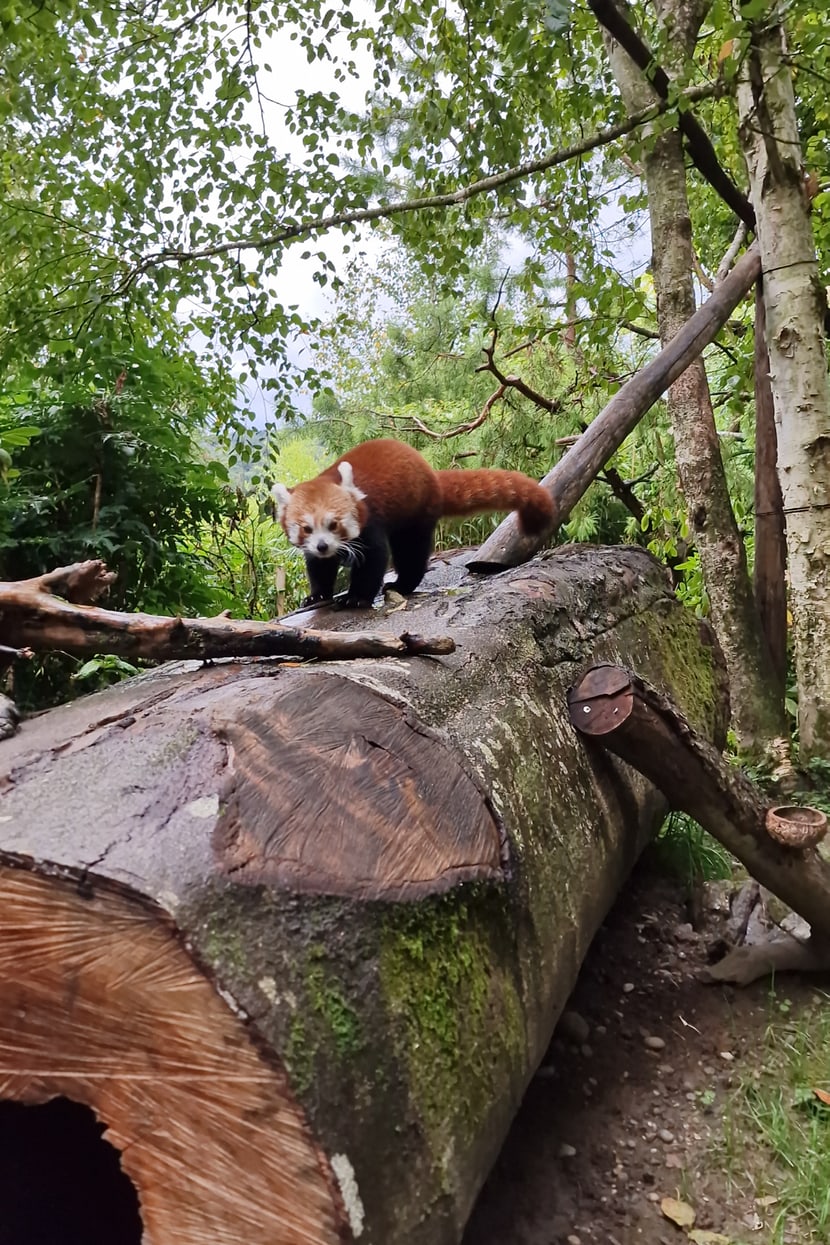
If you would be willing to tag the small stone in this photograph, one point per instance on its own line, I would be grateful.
(665, 1069)
(586, 1050)
(573, 1027)
(708, 1070)
(573, 1239)
(628, 986)
(566, 1152)
(666, 1136)
(726, 1055)
(653, 1197)
(654, 1043)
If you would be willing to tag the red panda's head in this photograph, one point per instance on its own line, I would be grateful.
(321, 517)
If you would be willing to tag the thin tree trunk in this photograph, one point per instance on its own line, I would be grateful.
(770, 535)
(756, 708)
(798, 367)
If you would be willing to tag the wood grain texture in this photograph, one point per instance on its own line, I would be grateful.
(338, 791)
(100, 1003)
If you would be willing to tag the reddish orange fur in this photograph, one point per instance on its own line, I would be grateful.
(400, 484)
(393, 505)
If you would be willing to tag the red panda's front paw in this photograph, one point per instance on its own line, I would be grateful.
(314, 598)
(353, 603)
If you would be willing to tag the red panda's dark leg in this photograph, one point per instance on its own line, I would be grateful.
(411, 547)
(369, 567)
(322, 572)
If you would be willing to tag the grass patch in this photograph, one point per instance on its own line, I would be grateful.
(685, 850)
(776, 1139)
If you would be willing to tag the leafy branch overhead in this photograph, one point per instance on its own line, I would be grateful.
(160, 164)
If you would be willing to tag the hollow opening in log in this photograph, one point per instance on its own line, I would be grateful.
(60, 1181)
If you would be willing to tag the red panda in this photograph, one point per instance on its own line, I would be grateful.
(383, 496)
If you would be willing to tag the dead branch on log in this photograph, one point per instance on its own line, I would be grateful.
(569, 479)
(32, 616)
(644, 728)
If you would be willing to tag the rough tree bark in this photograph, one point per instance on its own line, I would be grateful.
(757, 708)
(795, 305)
(300, 936)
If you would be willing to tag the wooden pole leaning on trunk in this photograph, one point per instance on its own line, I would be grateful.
(646, 729)
(299, 936)
(572, 475)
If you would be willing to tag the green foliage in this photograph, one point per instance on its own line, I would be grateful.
(253, 569)
(776, 1132)
(108, 461)
(685, 850)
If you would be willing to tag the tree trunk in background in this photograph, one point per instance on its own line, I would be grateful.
(757, 711)
(300, 936)
(798, 367)
(770, 573)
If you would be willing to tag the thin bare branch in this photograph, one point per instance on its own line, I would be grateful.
(731, 254)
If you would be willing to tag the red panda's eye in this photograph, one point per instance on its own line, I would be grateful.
(307, 529)
(333, 525)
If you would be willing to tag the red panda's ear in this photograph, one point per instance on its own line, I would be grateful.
(347, 481)
(282, 496)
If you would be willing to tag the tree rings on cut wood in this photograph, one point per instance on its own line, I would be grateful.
(102, 1004)
(367, 803)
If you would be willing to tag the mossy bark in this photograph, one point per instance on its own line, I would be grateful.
(403, 1026)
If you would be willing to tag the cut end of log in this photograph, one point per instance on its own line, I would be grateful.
(339, 791)
(796, 827)
(100, 1004)
(601, 701)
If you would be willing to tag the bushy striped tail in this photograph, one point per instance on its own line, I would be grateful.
(468, 492)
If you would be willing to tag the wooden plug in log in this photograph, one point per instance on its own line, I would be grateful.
(643, 727)
(299, 937)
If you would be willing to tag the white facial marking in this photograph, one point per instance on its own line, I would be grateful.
(351, 527)
(294, 533)
(321, 541)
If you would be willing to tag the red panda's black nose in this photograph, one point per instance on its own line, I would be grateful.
(322, 545)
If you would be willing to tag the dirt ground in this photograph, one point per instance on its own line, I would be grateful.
(628, 1106)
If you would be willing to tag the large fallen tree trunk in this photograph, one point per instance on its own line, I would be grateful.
(300, 936)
